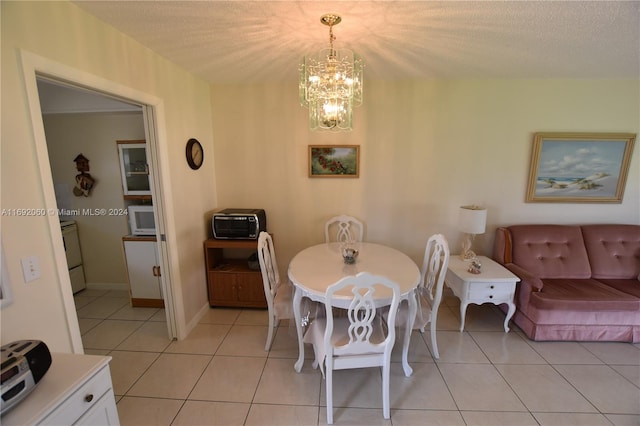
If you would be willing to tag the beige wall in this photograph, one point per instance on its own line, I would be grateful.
(426, 148)
(95, 135)
(62, 33)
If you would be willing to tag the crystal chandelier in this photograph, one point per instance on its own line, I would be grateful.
(331, 84)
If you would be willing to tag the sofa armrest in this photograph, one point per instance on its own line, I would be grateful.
(528, 284)
(502, 246)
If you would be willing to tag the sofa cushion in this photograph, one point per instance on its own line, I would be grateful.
(613, 250)
(631, 286)
(550, 251)
(582, 295)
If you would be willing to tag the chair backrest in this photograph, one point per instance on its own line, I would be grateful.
(345, 229)
(367, 292)
(434, 268)
(268, 267)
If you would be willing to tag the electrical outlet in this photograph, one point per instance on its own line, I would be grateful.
(30, 268)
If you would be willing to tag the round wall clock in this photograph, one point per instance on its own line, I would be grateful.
(195, 154)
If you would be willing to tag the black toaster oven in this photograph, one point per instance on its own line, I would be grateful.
(242, 224)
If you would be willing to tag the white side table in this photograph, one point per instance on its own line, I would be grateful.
(495, 284)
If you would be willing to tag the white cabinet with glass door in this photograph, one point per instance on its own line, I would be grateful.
(134, 168)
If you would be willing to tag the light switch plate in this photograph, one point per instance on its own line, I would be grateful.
(30, 268)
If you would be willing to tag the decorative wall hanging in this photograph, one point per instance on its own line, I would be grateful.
(84, 181)
(579, 167)
(338, 161)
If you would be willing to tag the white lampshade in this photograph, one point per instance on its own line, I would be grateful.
(472, 219)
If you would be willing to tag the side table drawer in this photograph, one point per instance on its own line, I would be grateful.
(490, 292)
(81, 400)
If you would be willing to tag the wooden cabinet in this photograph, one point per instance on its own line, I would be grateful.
(144, 271)
(230, 282)
(76, 390)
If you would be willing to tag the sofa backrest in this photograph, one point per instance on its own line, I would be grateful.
(547, 251)
(613, 250)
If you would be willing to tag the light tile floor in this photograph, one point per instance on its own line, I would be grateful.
(221, 375)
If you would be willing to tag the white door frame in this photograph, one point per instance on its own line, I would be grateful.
(153, 112)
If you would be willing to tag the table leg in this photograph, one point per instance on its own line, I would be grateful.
(297, 299)
(463, 313)
(512, 310)
(413, 309)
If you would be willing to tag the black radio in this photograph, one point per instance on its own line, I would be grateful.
(242, 224)
(24, 362)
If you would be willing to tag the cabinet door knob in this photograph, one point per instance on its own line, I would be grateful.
(493, 286)
(491, 296)
(89, 397)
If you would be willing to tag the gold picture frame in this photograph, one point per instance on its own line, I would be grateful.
(579, 167)
(334, 161)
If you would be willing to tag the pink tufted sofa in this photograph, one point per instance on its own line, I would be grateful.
(577, 282)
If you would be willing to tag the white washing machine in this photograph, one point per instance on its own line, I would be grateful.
(74, 255)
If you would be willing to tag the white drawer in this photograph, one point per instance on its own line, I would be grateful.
(490, 292)
(81, 400)
(103, 412)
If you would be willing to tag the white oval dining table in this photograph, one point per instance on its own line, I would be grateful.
(317, 267)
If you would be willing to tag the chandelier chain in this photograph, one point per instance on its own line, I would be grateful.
(331, 38)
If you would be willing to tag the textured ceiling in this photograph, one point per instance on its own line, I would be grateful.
(252, 41)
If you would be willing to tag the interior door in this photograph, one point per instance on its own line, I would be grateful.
(155, 171)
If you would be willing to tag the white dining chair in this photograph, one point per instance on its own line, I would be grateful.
(429, 291)
(361, 339)
(343, 228)
(279, 295)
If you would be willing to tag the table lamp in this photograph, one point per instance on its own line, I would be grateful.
(472, 220)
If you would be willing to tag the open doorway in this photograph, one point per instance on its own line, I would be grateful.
(106, 216)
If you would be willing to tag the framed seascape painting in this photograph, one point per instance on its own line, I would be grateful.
(579, 167)
(334, 161)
